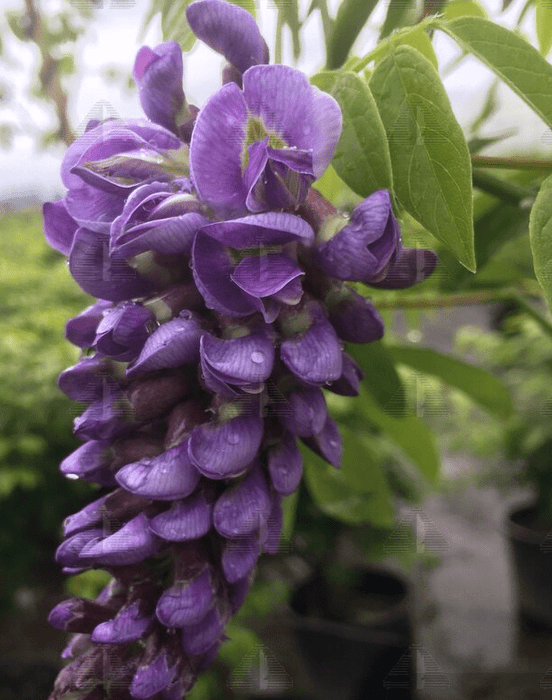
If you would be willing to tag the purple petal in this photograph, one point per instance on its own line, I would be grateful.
(229, 30)
(349, 382)
(186, 602)
(314, 357)
(212, 267)
(216, 385)
(285, 465)
(354, 318)
(81, 330)
(328, 443)
(266, 274)
(239, 361)
(151, 679)
(128, 626)
(365, 246)
(243, 507)
(86, 459)
(133, 543)
(122, 332)
(269, 228)
(104, 275)
(78, 615)
(122, 173)
(221, 451)
(271, 533)
(92, 208)
(59, 227)
(168, 236)
(88, 380)
(238, 592)
(159, 74)
(291, 293)
(106, 418)
(68, 553)
(110, 510)
(169, 476)
(303, 116)
(239, 557)
(185, 520)
(413, 265)
(216, 151)
(174, 343)
(200, 637)
(277, 178)
(304, 412)
(92, 514)
(111, 138)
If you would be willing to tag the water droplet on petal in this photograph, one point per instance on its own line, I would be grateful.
(257, 357)
(73, 477)
(334, 443)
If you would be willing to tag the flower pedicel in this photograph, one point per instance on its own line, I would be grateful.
(222, 308)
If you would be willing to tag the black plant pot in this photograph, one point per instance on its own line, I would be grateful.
(531, 546)
(356, 640)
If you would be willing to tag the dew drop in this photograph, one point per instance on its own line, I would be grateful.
(72, 477)
(257, 357)
(334, 443)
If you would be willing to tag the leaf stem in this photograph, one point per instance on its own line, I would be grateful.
(278, 39)
(530, 310)
(509, 192)
(469, 299)
(514, 163)
(326, 19)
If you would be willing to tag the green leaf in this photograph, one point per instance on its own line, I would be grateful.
(362, 158)
(540, 236)
(481, 386)
(463, 8)
(492, 230)
(351, 17)
(358, 492)
(419, 40)
(174, 24)
(409, 433)
(429, 154)
(380, 375)
(399, 14)
(512, 58)
(543, 21)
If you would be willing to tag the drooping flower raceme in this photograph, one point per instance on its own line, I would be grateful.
(222, 308)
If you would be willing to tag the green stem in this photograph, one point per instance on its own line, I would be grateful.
(503, 189)
(531, 311)
(442, 302)
(278, 39)
(326, 19)
(469, 299)
(511, 163)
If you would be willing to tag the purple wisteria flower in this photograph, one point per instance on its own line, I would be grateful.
(222, 311)
(261, 148)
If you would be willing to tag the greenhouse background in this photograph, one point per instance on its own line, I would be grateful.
(488, 435)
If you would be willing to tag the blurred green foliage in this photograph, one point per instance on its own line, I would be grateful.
(37, 297)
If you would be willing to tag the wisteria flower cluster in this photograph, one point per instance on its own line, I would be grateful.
(221, 315)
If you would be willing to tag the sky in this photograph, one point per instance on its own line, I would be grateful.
(112, 40)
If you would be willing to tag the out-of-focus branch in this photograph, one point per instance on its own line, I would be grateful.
(49, 74)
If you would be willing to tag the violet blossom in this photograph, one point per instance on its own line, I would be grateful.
(222, 307)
